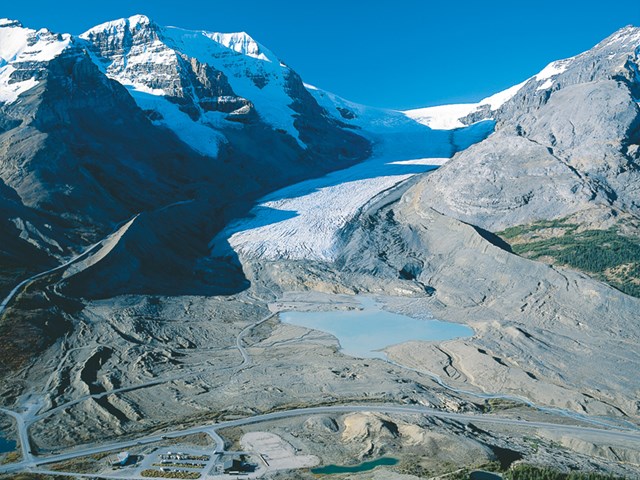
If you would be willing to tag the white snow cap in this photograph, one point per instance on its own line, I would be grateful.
(132, 23)
(25, 44)
(553, 69)
(447, 117)
(242, 43)
(7, 22)
(18, 44)
(628, 36)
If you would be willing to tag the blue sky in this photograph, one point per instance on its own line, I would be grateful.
(391, 53)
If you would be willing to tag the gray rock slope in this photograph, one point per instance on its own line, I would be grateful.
(555, 337)
(566, 142)
(574, 336)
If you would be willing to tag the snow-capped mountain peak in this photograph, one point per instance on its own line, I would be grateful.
(615, 55)
(21, 51)
(7, 22)
(131, 24)
(24, 44)
(203, 75)
(136, 20)
(238, 42)
(627, 37)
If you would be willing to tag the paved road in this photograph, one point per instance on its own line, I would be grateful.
(29, 461)
(246, 359)
(25, 445)
(86, 252)
(602, 433)
(21, 424)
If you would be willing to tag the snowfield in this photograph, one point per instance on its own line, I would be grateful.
(448, 116)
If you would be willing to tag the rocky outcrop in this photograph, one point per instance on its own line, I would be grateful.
(135, 52)
(549, 330)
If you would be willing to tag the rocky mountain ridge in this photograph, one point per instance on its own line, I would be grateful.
(131, 117)
(560, 147)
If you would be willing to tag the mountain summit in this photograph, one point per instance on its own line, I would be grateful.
(566, 141)
(211, 77)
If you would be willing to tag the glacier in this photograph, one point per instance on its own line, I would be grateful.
(304, 221)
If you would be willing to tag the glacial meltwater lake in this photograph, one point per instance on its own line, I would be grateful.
(365, 332)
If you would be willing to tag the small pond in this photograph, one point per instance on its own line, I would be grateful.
(363, 467)
(6, 445)
(365, 332)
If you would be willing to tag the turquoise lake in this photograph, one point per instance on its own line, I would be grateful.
(364, 333)
(363, 467)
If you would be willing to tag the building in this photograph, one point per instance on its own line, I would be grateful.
(122, 458)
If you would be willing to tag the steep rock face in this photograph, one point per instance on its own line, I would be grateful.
(133, 52)
(77, 153)
(218, 80)
(566, 141)
(83, 150)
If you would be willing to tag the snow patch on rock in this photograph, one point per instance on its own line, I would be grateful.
(242, 43)
(553, 69)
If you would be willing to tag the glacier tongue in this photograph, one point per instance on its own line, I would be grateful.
(304, 221)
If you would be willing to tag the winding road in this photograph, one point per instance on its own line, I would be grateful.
(25, 282)
(21, 418)
(31, 461)
(246, 359)
(25, 420)
(60, 267)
